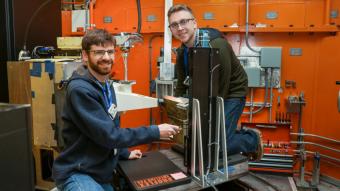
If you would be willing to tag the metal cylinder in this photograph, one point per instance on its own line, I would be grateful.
(316, 170)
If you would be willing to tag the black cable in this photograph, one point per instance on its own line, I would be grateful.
(139, 10)
(9, 29)
(28, 26)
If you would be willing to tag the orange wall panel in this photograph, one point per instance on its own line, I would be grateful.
(288, 14)
(218, 18)
(313, 13)
(291, 14)
(118, 16)
(314, 72)
(153, 19)
(66, 23)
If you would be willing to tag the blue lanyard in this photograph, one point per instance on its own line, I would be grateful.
(186, 65)
(107, 94)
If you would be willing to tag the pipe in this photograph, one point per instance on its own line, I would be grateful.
(318, 136)
(322, 155)
(271, 94)
(139, 10)
(300, 129)
(315, 144)
(247, 29)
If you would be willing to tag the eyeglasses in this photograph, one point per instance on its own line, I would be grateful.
(101, 53)
(182, 22)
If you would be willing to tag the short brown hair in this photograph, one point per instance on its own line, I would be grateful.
(97, 37)
(179, 7)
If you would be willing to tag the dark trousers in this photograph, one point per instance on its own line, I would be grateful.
(237, 141)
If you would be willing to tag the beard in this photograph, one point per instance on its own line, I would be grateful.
(101, 67)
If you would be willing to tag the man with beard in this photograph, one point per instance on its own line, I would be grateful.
(233, 81)
(93, 138)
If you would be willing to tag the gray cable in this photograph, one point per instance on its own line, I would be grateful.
(247, 28)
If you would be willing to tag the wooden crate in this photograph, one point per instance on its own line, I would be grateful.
(43, 161)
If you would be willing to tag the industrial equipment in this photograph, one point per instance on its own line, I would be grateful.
(272, 40)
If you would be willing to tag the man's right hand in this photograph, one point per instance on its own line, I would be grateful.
(167, 131)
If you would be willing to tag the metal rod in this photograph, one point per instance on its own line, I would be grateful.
(217, 135)
(302, 168)
(318, 136)
(196, 126)
(193, 138)
(125, 60)
(271, 94)
(266, 126)
(322, 155)
(316, 170)
(315, 144)
(277, 160)
(248, 55)
(224, 138)
(270, 165)
(256, 104)
(279, 155)
(300, 129)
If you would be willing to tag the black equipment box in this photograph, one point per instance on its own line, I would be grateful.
(154, 171)
(16, 163)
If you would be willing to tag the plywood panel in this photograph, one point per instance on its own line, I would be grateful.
(42, 107)
(35, 86)
(19, 83)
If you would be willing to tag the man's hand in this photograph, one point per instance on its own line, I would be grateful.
(168, 131)
(135, 154)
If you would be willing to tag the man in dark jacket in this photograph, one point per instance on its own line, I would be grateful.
(93, 138)
(233, 81)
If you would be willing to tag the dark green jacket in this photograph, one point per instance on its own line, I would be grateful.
(233, 78)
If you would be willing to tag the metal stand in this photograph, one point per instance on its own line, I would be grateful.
(125, 42)
(216, 175)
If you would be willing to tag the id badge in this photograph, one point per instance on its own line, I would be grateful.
(113, 111)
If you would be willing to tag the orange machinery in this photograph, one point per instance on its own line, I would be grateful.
(306, 30)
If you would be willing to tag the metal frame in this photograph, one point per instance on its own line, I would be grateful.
(216, 176)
